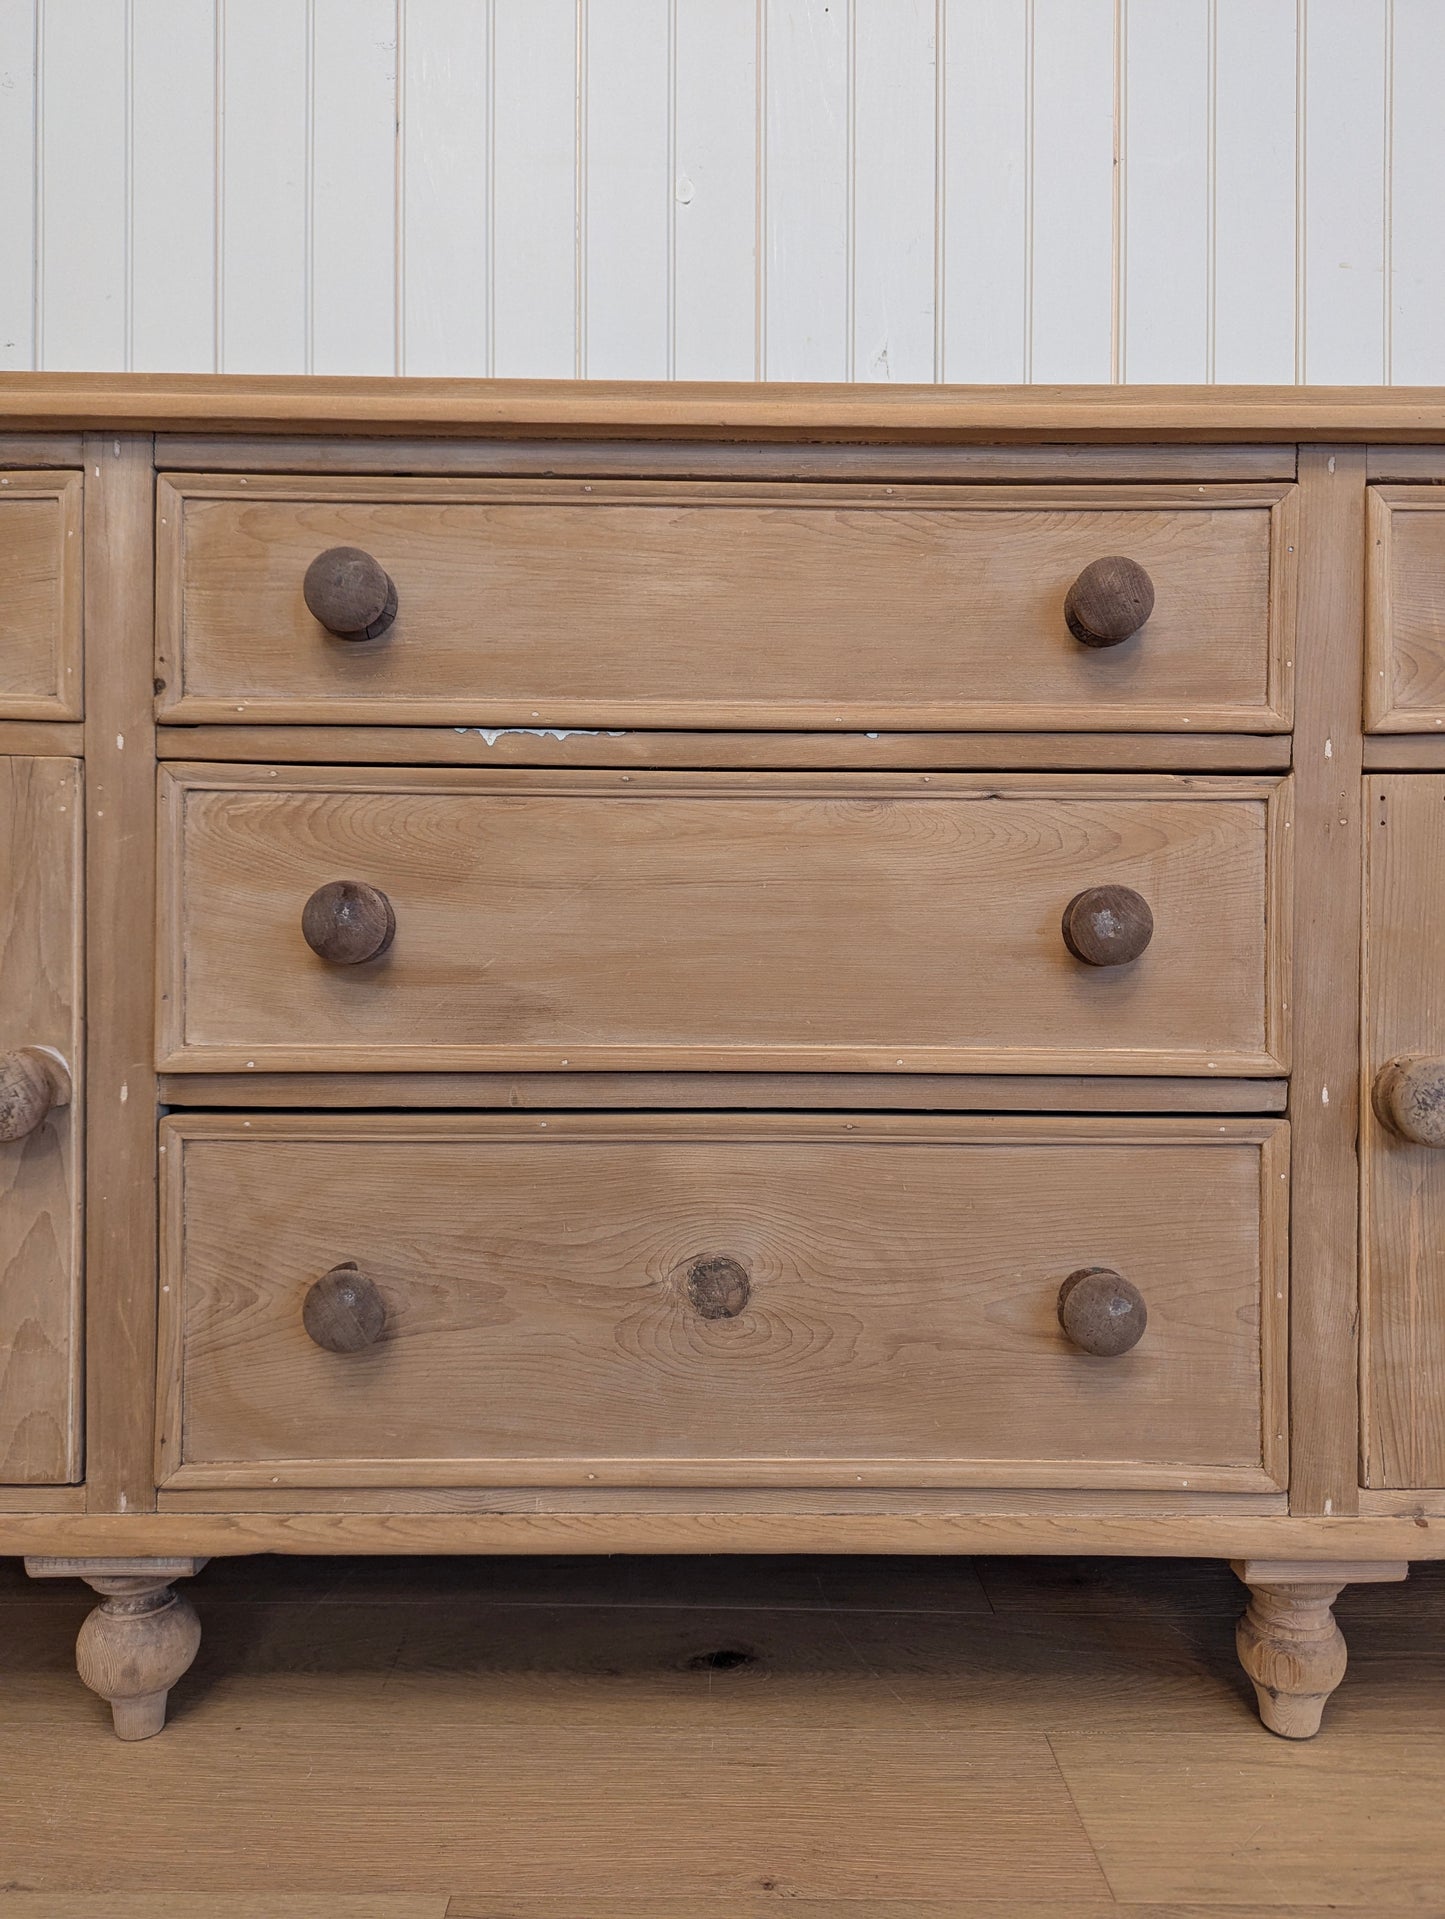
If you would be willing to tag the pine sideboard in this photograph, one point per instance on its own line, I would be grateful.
(599, 968)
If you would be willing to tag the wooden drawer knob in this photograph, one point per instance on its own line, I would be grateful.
(1410, 1099)
(33, 1081)
(719, 1287)
(1101, 1312)
(351, 594)
(1109, 602)
(343, 1311)
(1107, 925)
(347, 922)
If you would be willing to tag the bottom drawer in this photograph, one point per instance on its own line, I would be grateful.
(685, 1300)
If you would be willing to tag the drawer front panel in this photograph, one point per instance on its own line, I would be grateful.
(1404, 1181)
(1405, 610)
(647, 1300)
(40, 609)
(664, 604)
(40, 1008)
(760, 921)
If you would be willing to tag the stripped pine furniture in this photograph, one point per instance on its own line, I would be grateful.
(604, 968)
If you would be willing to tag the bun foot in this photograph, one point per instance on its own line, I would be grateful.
(1288, 1641)
(139, 1641)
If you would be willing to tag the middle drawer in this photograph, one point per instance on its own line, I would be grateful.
(785, 922)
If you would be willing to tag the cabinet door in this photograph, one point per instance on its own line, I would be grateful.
(1403, 1223)
(40, 1007)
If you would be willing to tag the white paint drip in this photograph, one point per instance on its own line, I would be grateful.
(1329, 749)
(491, 734)
(1324, 1096)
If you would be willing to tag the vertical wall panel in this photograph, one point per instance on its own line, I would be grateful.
(807, 189)
(85, 171)
(264, 196)
(18, 73)
(534, 290)
(444, 184)
(626, 189)
(984, 210)
(173, 186)
(1254, 191)
(353, 187)
(1166, 189)
(1071, 333)
(1343, 192)
(1417, 198)
(715, 191)
(894, 161)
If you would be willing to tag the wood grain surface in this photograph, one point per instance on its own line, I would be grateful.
(1405, 611)
(773, 409)
(731, 921)
(618, 459)
(42, 830)
(40, 602)
(1403, 1185)
(673, 604)
(120, 904)
(541, 1301)
(1326, 878)
(619, 1689)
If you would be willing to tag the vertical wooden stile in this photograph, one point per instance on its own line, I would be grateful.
(120, 916)
(1324, 1095)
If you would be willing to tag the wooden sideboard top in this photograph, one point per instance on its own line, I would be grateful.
(296, 403)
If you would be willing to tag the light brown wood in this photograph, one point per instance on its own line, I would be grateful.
(1428, 1502)
(64, 449)
(1393, 752)
(786, 920)
(859, 752)
(120, 895)
(34, 1082)
(40, 611)
(899, 1357)
(492, 1673)
(1403, 1279)
(721, 459)
(41, 1012)
(675, 604)
(1101, 1502)
(1324, 1094)
(1066, 1528)
(46, 739)
(1288, 1640)
(547, 1092)
(139, 1641)
(1090, 415)
(1405, 614)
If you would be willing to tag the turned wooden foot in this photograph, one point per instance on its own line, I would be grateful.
(141, 1638)
(1288, 1640)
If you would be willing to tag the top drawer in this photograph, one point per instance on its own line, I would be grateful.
(708, 604)
(40, 603)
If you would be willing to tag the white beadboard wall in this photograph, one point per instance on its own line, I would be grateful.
(995, 190)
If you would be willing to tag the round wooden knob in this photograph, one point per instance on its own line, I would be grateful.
(1109, 602)
(33, 1081)
(1101, 1312)
(1107, 925)
(351, 594)
(1410, 1098)
(718, 1287)
(343, 1311)
(347, 922)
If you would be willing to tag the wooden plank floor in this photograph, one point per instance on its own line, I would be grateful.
(722, 1739)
